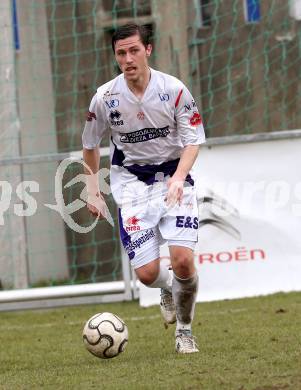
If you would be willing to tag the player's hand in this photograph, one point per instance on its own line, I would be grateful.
(175, 191)
(97, 205)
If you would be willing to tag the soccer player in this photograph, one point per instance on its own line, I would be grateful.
(155, 131)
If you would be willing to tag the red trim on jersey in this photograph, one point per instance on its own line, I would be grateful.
(178, 98)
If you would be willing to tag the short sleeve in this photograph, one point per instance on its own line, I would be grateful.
(95, 126)
(188, 118)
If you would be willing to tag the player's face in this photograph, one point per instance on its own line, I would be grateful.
(131, 56)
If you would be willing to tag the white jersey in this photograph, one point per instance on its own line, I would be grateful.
(148, 134)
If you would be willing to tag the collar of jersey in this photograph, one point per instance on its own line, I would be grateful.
(147, 90)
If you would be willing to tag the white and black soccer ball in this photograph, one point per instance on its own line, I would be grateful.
(105, 335)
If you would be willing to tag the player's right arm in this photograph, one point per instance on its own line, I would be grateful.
(94, 130)
(95, 200)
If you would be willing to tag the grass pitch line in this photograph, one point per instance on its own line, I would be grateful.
(135, 318)
(69, 323)
(33, 326)
(222, 312)
(142, 318)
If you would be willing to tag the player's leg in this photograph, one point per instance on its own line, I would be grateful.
(156, 275)
(142, 248)
(184, 291)
(138, 222)
(179, 227)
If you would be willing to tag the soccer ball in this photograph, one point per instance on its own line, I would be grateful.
(105, 335)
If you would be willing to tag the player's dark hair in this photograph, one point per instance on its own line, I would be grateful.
(130, 29)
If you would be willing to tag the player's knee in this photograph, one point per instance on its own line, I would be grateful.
(147, 275)
(147, 278)
(183, 266)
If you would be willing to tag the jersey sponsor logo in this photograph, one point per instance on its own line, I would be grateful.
(90, 116)
(143, 135)
(189, 106)
(196, 119)
(115, 115)
(132, 224)
(115, 118)
(112, 103)
(164, 97)
(187, 222)
(130, 248)
(140, 115)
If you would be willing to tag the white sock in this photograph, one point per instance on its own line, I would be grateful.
(164, 279)
(184, 292)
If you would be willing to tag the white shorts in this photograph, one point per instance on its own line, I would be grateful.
(146, 222)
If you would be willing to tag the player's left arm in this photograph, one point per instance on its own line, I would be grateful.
(176, 182)
(191, 130)
(188, 157)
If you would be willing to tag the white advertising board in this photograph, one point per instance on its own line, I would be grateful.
(249, 240)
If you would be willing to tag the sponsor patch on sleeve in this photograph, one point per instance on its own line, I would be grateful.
(90, 116)
(196, 119)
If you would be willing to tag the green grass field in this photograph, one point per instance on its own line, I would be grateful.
(244, 344)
